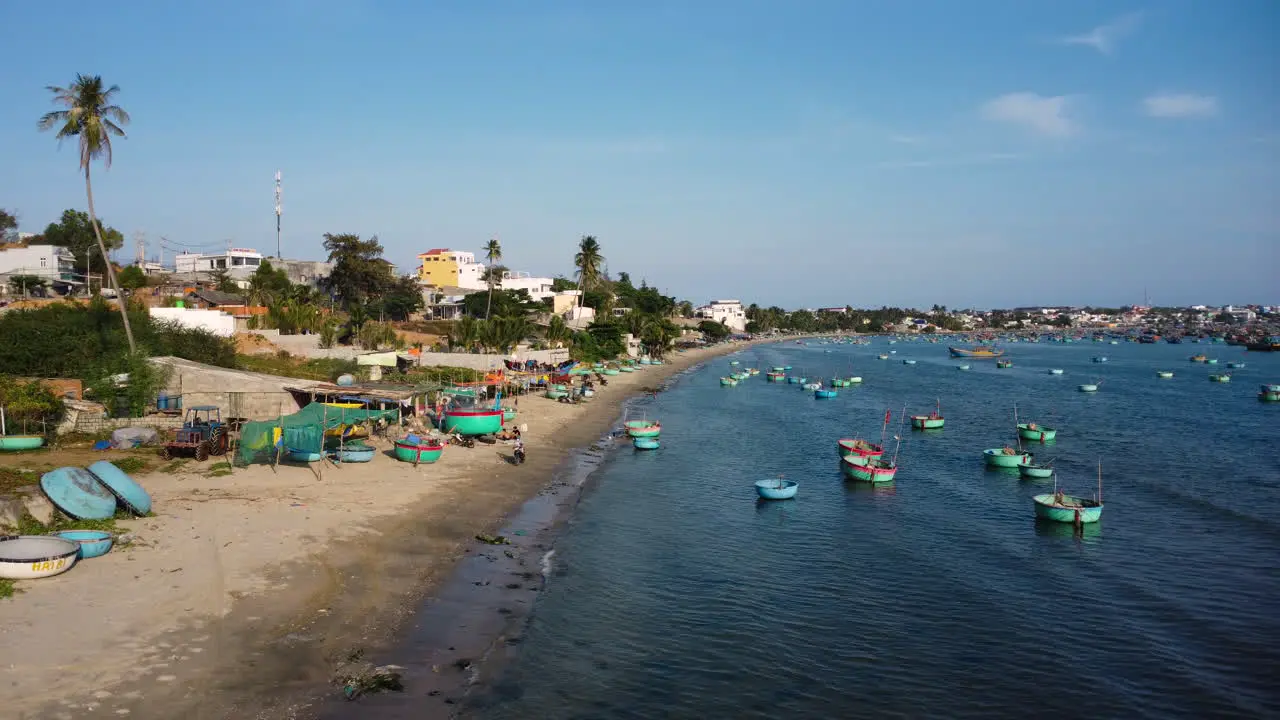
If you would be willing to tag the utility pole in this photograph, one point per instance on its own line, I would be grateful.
(139, 248)
(279, 210)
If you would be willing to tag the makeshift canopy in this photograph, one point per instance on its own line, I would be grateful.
(303, 430)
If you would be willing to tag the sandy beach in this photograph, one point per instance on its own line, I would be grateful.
(244, 589)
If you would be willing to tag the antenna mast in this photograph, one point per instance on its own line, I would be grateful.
(139, 248)
(279, 209)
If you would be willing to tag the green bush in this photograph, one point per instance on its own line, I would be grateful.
(29, 406)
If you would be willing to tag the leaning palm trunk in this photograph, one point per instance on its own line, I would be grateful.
(111, 273)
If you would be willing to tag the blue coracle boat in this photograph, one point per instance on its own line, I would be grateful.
(824, 393)
(645, 443)
(777, 489)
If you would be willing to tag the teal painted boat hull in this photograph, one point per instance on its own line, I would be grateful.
(643, 428)
(997, 458)
(645, 443)
(1046, 509)
(14, 443)
(405, 452)
(924, 422)
(303, 456)
(1039, 434)
(473, 422)
(1036, 472)
(508, 415)
(609, 371)
(557, 394)
(775, 489)
(824, 393)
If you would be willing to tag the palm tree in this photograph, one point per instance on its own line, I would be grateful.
(588, 261)
(492, 253)
(92, 119)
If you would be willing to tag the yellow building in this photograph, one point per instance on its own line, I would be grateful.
(443, 267)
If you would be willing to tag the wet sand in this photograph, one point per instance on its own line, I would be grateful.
(238, 597)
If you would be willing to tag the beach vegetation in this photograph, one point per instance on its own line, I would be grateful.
(91, 117)
(589, 263)
(27, 285)
(713, 331)
(359, 271)
(74, 231)
(286, 365)
(492, 253)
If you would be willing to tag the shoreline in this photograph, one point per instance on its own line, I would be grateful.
(239, 596)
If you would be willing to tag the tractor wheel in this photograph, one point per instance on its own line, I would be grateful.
(202, 451)
(165, 454)
(218, 444)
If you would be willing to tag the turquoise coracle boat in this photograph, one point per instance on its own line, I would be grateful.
(1060, 507)
(777, 489)
(20, 442)
(824, 393)
(643, 428)
(1035, 472)
(473, 421)
(1006, 457)
(1037, 433)
(645, 443)
(414, 453)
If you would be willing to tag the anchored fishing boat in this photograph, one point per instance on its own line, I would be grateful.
(932, 421)
(728, 382)
(1164, 374)
(1269, 393)
(1198, 358)
(812, 386)
(1099, 358)
(977, 353)
(1006, 457)
(1089, 387)
(775, 376)
(1055, 371)
(1033, 471)
(777, 488)
(1235, 364)
(875, 469)
(1004, 363)
(908, 362)
(1033, 431)
(857, 447)
(962, 367)
(643, 428)
(1220, 377)
(820, 393)
(645, 443)
(1061, 507)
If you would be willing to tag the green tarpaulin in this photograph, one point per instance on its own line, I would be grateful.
(303, 431)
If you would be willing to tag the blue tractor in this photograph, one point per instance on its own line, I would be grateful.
(202, 434)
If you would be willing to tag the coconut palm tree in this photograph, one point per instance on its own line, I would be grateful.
(92, 119)
(589, 261)
(492, 253)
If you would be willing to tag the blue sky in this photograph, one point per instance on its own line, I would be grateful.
(806, 153)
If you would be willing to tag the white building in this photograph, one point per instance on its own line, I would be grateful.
(53, 263)
(539, 288)
(728, 312)
(239, 263)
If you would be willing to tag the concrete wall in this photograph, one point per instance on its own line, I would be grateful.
(238, 393)
(89, 424)
(216, 322)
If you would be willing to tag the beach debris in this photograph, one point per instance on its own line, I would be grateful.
(493, 539)
(357, 676)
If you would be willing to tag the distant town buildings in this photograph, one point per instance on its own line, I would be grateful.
(445, 268)
(53, 264)
(539, 288)
(728, 312)
(239, 263)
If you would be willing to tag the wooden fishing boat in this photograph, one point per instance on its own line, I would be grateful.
(1198, 358)
(643, 428)
(812, 386)
(1061, 507)
(1099, 358)
(1220, 377)
(1005, 457)
(419, 452)
(1055, 371)
(1004, 363)
(15, 443)
(883, 356)
(820, 393)
(1211, 361)
(873, 470)
(962, 367)
(977, 353)
(775, 376)
(857, 447)
(1164, 374)
(1269, 393)
(1235, 364)
(1088, 388)
(777, 489)
(1035, 472)
(27, 557)
(728, 382)
(1036, 432)
(932, 421)
(793, 379)
(908, 362)
(645, 443)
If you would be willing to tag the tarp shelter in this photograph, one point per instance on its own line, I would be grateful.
(303, 431)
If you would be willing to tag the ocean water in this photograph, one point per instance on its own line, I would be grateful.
(674, 593)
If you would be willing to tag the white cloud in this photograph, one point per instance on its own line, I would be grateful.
(1105, 37)
(1180, 105)
(1040, 114)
